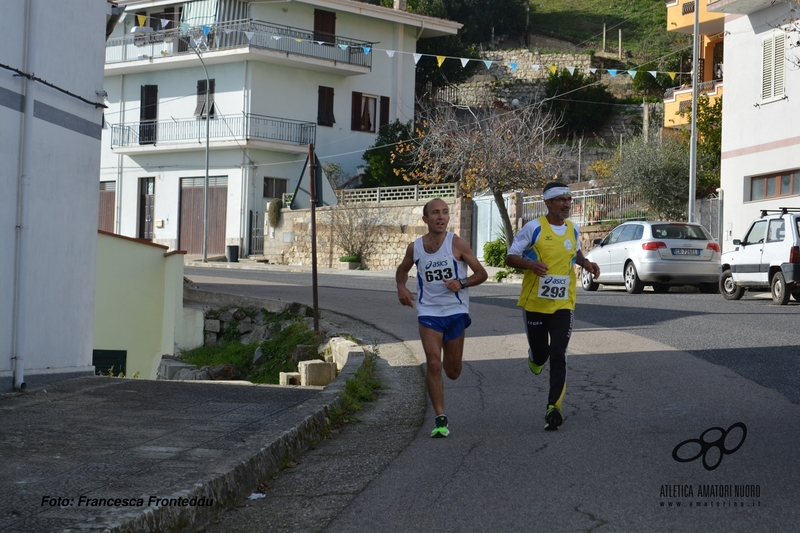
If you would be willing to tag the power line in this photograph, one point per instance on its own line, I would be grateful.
(53, 86)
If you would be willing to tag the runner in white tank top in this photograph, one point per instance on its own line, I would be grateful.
(442, 300)
(433, 297)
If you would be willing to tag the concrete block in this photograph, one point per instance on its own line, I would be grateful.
(289, 378)
(169, 367)
(316, 373)
(343, 349)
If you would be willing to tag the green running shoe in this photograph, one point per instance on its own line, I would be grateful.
(440, 431)
(536, 369)
(553, 418)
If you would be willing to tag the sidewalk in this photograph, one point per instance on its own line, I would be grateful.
(110, 454)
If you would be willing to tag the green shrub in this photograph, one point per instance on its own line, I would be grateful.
(350, 259)
(274, 212)
(494, 252)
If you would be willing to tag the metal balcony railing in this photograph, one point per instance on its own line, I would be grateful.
(687, 8)
(225, 127)
(238, 34)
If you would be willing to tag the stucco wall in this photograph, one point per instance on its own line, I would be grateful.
(50, 153)
(139, 301)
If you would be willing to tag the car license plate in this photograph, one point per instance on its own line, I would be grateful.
(685, 251)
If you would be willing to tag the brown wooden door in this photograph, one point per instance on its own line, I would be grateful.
(107, 206)
(325, 26)
(191, 215)
(147, 201)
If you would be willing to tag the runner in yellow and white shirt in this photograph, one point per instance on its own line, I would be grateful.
(547, 249)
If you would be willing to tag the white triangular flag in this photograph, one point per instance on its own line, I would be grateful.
(416, 58)
(390, 53)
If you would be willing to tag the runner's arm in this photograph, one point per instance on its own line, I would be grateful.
(401, 277)
(463, 252)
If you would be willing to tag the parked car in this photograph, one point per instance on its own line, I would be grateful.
(767, 258)
(659, 254)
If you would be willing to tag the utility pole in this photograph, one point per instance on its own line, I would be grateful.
(693, 140)
(313, 200)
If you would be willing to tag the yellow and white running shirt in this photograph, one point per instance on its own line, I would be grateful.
(433, 298)
(557, 247)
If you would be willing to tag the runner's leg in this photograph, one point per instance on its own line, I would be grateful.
(536, 331)
(432, 344)
(560, 327)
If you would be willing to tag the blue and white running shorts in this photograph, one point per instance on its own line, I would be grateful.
(452, 326)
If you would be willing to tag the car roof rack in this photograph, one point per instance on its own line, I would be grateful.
(781, 210)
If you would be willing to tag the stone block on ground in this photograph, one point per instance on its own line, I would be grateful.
(169, 367)
(212, 325)
(316, 373)
(289, 378)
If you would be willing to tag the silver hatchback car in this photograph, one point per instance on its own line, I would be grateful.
(659, 254)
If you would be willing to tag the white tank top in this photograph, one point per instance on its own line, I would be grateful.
(433, 298)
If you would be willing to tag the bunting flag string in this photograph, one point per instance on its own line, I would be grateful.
(514, 66)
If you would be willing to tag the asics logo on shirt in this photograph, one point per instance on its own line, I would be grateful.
(434, 264)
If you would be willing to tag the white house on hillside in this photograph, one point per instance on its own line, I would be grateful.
(51, 85)
(280, 75)
(760, 140)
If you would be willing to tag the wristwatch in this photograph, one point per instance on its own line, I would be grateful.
(463, 283)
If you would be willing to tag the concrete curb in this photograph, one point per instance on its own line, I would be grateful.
(309, 422)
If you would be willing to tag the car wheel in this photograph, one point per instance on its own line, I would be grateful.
(587, 282)
(660, 288)
(632, 282)
(709, 288)
(728, 287)
(780, 292)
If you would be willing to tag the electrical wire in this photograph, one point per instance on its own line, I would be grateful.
(53, 86)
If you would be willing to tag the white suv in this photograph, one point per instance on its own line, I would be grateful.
(767, 258)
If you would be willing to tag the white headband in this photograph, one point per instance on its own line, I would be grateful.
(556, 191)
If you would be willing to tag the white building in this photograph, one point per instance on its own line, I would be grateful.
(50, 132)
(282, 75)
(760, 139)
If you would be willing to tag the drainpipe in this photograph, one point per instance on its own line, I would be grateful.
(23, 182)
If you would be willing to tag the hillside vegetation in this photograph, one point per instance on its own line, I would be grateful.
(643, 24)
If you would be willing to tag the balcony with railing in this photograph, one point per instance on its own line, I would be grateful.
(245, 130)
(677, 102)
(243, 39)
(680, 17)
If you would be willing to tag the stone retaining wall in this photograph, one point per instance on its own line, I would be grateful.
(290, 242)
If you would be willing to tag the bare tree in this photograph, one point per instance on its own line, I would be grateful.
(482, 148)
(355, 228)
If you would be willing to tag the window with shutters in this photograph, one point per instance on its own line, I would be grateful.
(366, 114)
(325, 106)
(200, 108)
(773, 67)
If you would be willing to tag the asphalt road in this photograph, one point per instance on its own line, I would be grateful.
(752, 336)
(646, 372)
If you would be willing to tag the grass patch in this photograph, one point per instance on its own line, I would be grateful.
(358, 389)
(276, 350)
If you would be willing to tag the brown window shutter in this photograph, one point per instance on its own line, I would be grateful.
(355, 116)
(384, 114)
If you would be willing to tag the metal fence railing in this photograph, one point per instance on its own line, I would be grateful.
(237, 34)
(610, 206)
(245, 126)
(593, 206)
